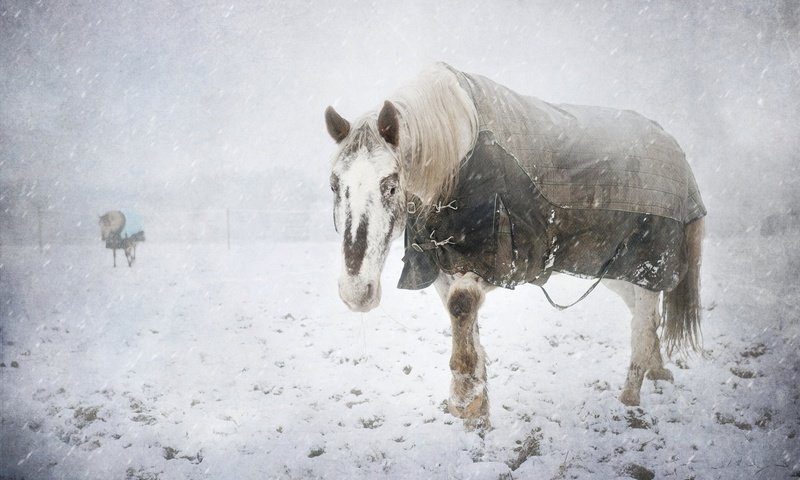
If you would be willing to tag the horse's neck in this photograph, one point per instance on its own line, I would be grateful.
(117, 222)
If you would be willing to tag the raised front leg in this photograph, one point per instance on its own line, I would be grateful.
(469, 398)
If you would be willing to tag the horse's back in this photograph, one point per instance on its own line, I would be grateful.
(590, 157)
(133, 227)
(620, 160)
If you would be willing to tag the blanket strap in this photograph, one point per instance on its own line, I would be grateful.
(621, 248)
(564, 307)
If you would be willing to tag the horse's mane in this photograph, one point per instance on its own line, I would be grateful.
(440, 124)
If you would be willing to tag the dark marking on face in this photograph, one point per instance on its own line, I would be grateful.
(336, 198)
(387, 238)
(355, 248)
(335, 184)
(389, 188)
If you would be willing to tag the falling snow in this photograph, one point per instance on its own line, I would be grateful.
(225, 351)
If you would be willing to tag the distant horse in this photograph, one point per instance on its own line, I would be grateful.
(122, 230)
(493, 188)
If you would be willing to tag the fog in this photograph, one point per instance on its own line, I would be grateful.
(207, 118)
(184, 110)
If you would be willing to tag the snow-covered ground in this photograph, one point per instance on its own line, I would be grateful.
(201, 362)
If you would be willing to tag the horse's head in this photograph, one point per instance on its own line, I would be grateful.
(110, 223)
(369, 200)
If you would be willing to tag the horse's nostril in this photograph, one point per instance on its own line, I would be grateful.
(369, 290)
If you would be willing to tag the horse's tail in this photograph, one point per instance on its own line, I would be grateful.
(680, 310)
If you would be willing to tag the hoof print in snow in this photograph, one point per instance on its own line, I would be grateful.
(407, 369)
(170, 453)
(600, 386)
(354, 403)
(131, 474)
(765, 419)
(724, 419)
(744, 373)
(755, 351)
(530, 447)
(638, 472)
(635, 419)
(356, 392)
(681, 363)
(144, 419)
(316, 452)
(372, 422)
(273, 390)
(14, 364)
(84, 416)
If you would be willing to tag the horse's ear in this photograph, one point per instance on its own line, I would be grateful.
(389, 124)
(338, 127)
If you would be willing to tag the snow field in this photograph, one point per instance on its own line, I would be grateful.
(201, 362)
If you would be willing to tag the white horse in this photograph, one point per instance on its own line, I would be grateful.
(404, 165)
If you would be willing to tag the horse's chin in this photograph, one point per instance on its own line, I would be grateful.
(363, 308)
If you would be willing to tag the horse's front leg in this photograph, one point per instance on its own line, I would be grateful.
(469, 397)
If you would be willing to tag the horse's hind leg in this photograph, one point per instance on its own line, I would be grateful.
(645, 347)
(115, 256)
(469, 397)
(130, 254)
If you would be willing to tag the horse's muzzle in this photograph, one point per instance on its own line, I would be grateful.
(358, 295)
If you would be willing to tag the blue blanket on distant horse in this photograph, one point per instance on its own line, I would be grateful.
(133, 224)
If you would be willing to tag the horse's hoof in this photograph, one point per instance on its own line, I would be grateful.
(660, 374)
(629, 398)
(477, 408)
(475, 414)
(480, 424)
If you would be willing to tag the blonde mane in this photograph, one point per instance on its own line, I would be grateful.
(439, 127)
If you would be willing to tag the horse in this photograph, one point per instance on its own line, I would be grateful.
(121, 230)
(491, 188)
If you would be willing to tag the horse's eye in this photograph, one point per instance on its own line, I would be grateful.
(389, 185)
(335, 184)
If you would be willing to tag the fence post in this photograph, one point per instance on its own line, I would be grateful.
(39, 218)
(228, 221)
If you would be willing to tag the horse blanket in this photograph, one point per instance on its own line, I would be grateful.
(133, 224)
(584, 190)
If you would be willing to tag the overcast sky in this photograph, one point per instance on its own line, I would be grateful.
(185, 105)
